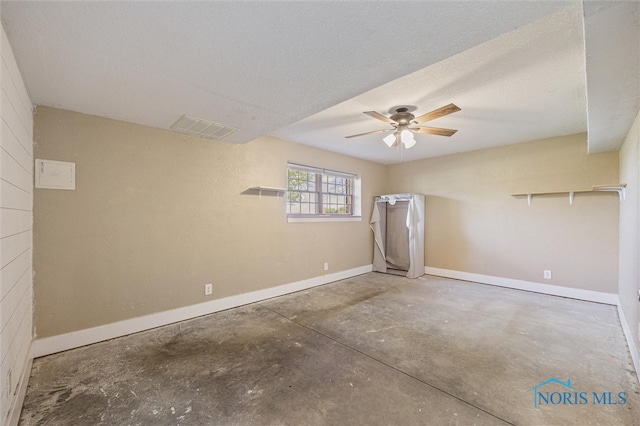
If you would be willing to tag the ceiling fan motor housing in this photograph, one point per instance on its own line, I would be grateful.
(402, 116)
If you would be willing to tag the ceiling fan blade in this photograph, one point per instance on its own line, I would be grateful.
(434, 131)
(380, 117)
(436, 113)
(369, 133)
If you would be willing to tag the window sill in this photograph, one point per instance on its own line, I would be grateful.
(324, 219)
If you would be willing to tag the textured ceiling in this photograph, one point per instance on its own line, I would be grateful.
(513, 88)
(612, 40)
(304, 71)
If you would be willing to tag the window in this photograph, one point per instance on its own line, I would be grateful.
(313, 191)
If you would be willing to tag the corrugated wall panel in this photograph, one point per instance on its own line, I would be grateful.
(16, 240)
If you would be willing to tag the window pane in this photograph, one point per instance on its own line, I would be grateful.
(308, 208)
(293, 197)
(336, 204)
(298, 179)
(293, 207)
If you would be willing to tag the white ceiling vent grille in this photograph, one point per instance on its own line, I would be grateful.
(200, 127)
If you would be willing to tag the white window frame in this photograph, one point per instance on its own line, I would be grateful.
(356, 198)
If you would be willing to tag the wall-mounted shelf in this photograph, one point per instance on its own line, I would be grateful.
(269, 189)
(619, 188)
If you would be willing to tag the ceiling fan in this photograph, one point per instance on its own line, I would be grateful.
(404, 124)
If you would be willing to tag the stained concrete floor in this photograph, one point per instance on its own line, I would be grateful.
(372, 350)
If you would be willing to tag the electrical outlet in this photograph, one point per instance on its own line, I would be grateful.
(326, 266)
(208, 289)
(547, 274)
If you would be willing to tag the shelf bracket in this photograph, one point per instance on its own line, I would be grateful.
(621, 190)
(571, 194)
(529, 197)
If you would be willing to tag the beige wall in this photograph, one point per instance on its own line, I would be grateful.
(16, 168)
(630, 230)
(474, 224)
(156, 215)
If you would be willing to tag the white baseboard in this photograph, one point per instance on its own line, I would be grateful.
(554, 290)
(63, 342)
(18, 400)
(633, 349)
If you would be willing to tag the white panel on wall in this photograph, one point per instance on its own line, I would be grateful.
(16, 216)
(55, 174)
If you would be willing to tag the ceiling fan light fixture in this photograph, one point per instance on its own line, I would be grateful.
(390, 139)
(406, 136)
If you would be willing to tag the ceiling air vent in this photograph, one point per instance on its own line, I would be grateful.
(200, 127)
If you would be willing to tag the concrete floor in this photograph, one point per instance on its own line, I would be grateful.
(372, 350)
